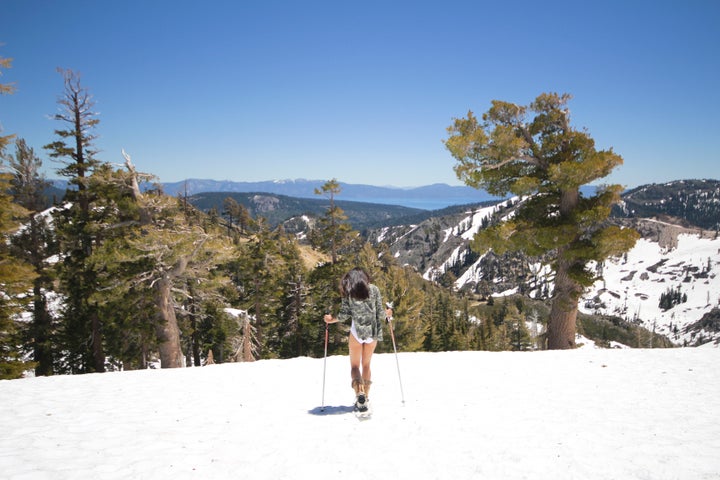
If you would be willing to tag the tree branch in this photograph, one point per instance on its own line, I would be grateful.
(522, 158)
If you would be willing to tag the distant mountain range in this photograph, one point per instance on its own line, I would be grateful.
(429, 197)
(276, 209)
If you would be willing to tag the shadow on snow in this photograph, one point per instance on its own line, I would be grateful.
(331, 410)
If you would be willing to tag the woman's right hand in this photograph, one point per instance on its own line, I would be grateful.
(329, 318)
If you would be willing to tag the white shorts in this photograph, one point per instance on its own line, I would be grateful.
(354, 333)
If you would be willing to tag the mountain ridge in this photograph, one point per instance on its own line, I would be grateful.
(426, 197)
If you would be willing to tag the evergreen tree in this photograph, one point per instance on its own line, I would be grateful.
(403, 287)
(292, 290)
(444, 328)
(236, 213)
(82, 329)
(258, 277)
(332, 234)
(325, 298)
(520, 338)
(35, 244)
(76, 144)
(16, 276)
(217, 330)
(293, 343)
(547, 161)
(164, 249)
(273, 286)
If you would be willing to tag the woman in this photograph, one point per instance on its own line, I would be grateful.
(362, 304)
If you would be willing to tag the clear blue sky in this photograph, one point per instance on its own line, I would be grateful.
(363, 91)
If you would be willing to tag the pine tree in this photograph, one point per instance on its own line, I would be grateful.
(520, 338)
(35, 244)
(545, 161)
(258, 277)
(403, 287)
(236, 213)
(290, 318)
(161, 249)
(82, 326)
(16, 279)
(16, 276)
(245, 344)
(294, 307)
(325, 298)
(332, 234)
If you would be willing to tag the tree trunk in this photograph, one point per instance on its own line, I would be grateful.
(247, 343)
(97, 344)
(258, 311)
(166, 328)
(42, 327)
(195, 337)
(563, 313)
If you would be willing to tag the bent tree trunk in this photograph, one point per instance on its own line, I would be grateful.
(563, 313)
(166, 328)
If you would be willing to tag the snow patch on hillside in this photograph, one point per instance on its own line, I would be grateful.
(632, 285)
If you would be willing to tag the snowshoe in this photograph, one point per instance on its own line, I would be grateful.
(362, 407)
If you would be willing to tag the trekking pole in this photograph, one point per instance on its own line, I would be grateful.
(397, 363)
(322, 408)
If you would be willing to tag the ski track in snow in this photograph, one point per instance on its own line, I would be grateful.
(582, 414)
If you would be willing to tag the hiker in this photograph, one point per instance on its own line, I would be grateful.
(362, 304)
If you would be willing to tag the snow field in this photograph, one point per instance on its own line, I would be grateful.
(587, 413)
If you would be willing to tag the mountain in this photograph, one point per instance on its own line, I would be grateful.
(429, 197)
(278, 209)
(697, 202)
(676, 259)
(593, 414)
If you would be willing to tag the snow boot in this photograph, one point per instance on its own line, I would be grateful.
(360, 396)
(367, 389)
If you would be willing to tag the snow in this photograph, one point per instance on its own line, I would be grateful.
(582, 414)
(433, 272)
(632, 286)
(476, 219)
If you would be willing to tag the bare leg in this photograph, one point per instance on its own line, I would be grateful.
(360, 356)
(355, 357)
(367, 351)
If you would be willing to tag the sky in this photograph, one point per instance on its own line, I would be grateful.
(362, 92)
(591, 414)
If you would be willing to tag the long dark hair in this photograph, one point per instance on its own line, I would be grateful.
(355, 284)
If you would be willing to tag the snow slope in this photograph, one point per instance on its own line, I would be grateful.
(670, 258)
(632, 285)
(582, 414)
